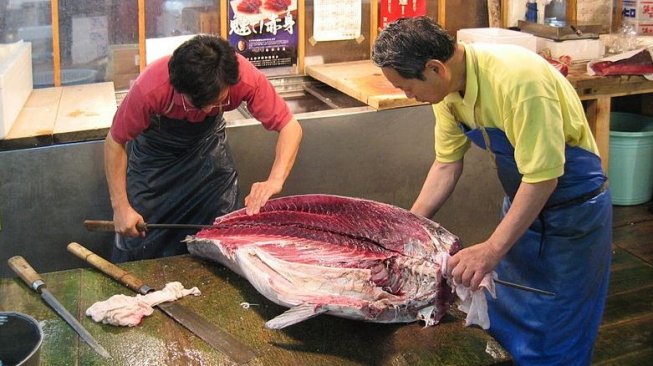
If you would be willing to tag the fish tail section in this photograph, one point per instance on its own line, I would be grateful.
(295, 315)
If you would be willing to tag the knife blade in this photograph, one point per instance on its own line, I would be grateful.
(105, 225)
(19, 265)
(214, 336)
(525, 288)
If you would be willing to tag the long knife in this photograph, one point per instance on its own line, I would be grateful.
(104, 225)
(219, 339)
(33, 280)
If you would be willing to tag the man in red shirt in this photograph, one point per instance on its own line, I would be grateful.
(166, 156)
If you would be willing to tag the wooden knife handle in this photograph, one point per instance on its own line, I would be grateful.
(19, 265)
(108, 268)
(99, 225)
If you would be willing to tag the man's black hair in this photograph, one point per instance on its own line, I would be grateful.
(408, 43)
(201, 67)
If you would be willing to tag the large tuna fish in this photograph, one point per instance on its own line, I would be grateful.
(347, 257)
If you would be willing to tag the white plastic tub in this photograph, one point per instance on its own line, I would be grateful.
(15, 82)
(577, 49)
(496, 35)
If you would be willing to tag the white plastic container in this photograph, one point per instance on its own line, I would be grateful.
(641, 27)
(497, 35)
(577, 49)
(15, 82)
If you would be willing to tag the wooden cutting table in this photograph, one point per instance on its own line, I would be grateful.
(159, 340)
(364, 81)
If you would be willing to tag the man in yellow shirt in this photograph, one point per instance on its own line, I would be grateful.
(556, 231)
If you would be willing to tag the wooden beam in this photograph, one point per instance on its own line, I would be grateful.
(442, 13)
(224, 20)
(598, 117)
(617, 15)
(301, 35)
(141, 34)
(572, 12)
(56, 49)
(374, 23)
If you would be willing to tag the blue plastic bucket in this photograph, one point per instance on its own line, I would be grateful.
(631, 158)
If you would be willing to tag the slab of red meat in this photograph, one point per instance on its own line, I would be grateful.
(347, 257)
(639, 64)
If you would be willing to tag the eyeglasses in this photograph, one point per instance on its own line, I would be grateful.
(209, 107)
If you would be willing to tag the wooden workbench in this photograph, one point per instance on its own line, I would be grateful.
(364, 81)
(158, 340)
(63, 114)
(597, 92)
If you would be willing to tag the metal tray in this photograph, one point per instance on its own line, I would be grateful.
(561, 33)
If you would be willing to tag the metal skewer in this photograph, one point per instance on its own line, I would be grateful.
(525, 288)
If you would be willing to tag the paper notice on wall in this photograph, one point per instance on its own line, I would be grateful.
(335, 20)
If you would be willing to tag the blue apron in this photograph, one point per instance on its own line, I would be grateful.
(567, 250)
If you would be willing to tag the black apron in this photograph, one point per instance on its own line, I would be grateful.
(179, 173)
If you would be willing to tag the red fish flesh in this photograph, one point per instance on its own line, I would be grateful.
(639, 64)
(342, 256)
(277, 5)
(249, 6)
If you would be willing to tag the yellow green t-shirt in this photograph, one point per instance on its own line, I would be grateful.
(520, 93)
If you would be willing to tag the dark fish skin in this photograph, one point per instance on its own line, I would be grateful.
(347, 257)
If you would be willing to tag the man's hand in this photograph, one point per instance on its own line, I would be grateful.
(127, 221)
(470, 265)
(260, 193)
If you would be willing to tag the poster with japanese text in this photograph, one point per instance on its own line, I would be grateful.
(264, 31)
(391, 10)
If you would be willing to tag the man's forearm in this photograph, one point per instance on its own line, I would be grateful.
(438, 186)
(115, 167)
(286, 150)
(526, 206)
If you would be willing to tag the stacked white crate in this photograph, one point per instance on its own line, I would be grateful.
(15, 82)
(639, 13)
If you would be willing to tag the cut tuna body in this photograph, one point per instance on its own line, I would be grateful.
(346, 257)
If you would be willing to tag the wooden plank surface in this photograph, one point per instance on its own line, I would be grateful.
(83, 110)
(626, 333)
(591, 86)
(63, 114)
(158, 340)
(38, 115)
(363, 81)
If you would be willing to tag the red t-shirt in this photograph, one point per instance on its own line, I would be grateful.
(152, 94)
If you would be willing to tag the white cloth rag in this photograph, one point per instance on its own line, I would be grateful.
(472, 303)
(125, 310)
